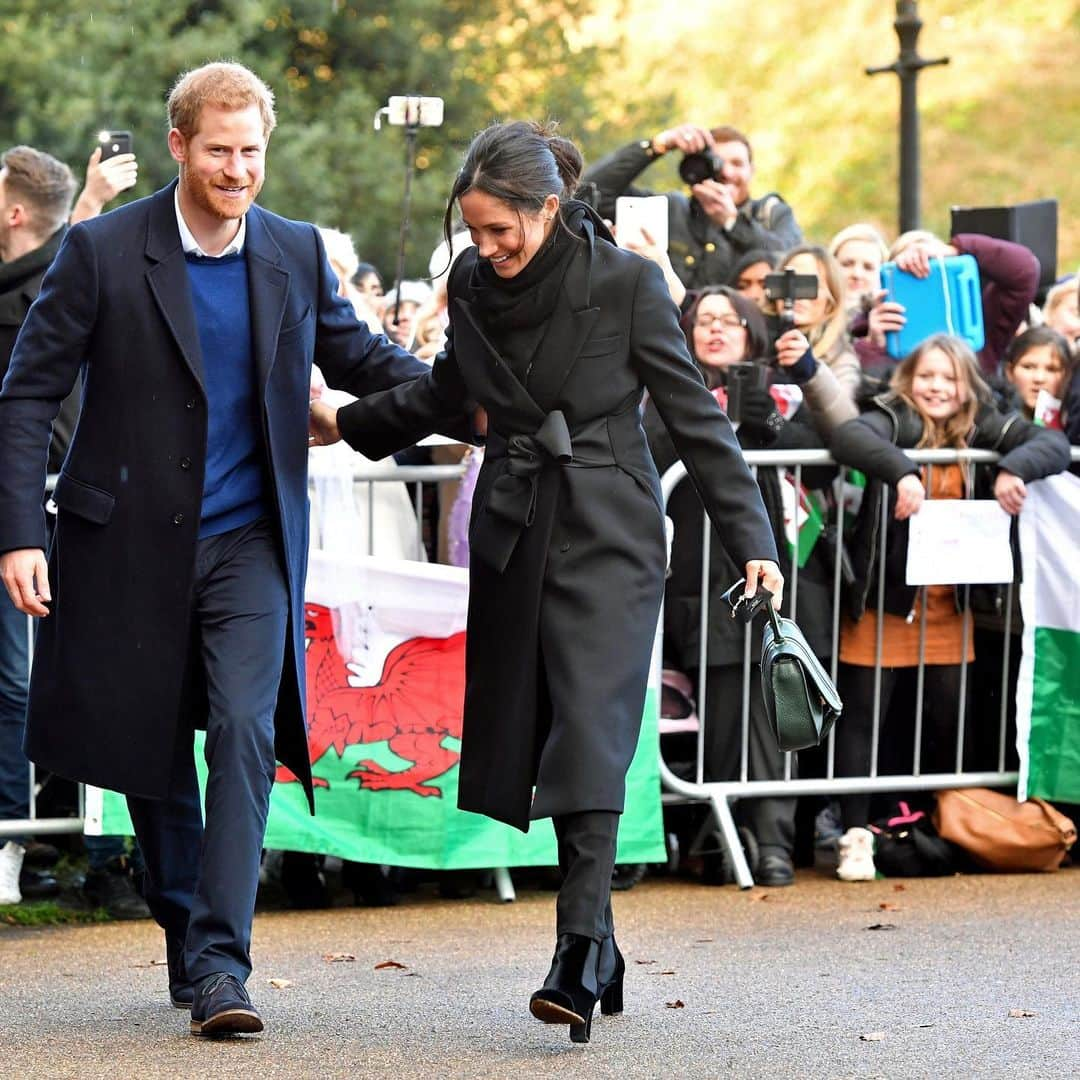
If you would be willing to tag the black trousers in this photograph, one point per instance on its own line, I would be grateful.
(202, 880)
(586, 861)
(771, 820)
(854, 731)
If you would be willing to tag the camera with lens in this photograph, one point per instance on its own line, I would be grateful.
(785, 288)
(705, 165)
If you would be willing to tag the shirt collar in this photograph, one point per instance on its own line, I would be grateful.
(191, 245)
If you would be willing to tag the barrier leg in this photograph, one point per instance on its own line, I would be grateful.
(725, 820)
(504, 885)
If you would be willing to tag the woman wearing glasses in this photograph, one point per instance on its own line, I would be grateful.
(787, 406)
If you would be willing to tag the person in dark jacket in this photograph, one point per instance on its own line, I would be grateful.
(172, 596)
(724, 329)
(719, 221)
(555, 332)
(937, 400)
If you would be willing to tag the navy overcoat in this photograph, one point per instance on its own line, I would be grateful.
(113, 687)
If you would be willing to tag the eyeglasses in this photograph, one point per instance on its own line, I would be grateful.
(728, 322)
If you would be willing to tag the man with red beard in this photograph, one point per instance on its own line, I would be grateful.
(172, 597)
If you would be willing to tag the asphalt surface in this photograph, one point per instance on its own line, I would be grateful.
(764, 983)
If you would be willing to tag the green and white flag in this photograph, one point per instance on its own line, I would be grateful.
(385, 682)
(1048, 688)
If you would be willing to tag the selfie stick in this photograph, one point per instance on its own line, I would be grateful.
(413, 106)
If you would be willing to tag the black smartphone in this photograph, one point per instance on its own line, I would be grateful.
(740, 378)
(113, 143)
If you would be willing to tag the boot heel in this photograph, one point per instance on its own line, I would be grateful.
(611, 999)
(580, 1033)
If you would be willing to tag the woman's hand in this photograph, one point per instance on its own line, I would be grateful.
(767, 574)
(1010, 492)
(791, 347)
(322, 425)
(909, 496)
(916, 258)
(885, 317)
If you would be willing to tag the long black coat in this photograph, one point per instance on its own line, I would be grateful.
(567, 539)
(112, 689)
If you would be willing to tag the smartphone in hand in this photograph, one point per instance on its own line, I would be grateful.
(113, 143)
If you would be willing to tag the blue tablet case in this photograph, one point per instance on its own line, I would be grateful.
(949, 301)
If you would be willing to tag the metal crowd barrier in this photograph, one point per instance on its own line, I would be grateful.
(364, 473)
(721, 794)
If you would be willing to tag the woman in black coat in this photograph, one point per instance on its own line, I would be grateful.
(724, 329)
(554, 331)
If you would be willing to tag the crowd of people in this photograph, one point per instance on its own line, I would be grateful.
(813, 374)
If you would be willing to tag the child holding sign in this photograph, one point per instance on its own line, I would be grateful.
(937, 399)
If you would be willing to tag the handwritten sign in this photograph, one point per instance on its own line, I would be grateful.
(959, 541)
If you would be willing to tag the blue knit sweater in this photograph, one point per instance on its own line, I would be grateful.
(234, 484)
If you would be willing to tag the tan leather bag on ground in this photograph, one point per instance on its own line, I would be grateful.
(1001, 833)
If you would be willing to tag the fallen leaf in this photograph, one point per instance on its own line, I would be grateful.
(411, 975)
(644, 961)
(762, 896)
(704, 940)
(158, 963)
(280, 984)
(676, 1004)
(899, 888)
(882, 926)
(338, 957)
(873, 1036)
(1018, 1014)
(661, 972)
(886, 906)
(390, 964)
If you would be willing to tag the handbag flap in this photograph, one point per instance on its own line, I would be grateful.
(793, 644)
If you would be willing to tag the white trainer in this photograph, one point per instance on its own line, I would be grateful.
(856, 849)
(11, 860)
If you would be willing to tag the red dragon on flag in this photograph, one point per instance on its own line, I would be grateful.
(415, 706)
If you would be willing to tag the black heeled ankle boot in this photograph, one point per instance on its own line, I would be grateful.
(571, 988)
(609, 976)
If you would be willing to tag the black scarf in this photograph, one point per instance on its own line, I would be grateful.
(528, 299)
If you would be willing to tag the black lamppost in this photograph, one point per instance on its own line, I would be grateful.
(907, 66)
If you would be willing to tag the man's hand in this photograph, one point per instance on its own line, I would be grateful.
(885, 317)
(909, 496)
(767, 574)
(717, 202)
(1010, 492)
(25, 574)
(689, 138)
(104, 181)
(916, 259)
(791, 347)
(322, 425)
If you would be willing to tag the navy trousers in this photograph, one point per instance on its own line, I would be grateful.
(201, 879)
(14, 681)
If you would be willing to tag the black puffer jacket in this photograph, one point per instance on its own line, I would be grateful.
(875, 444)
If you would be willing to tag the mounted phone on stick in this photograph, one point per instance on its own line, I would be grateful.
(412, 113)
(785, 288)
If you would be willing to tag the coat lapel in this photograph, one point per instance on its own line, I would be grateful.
(168, 279)
(471, 341)
(268, 285)
(567, 331)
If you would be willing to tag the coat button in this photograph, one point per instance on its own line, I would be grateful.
(192, 403)
(185, 463)
(178, 519)
(564, 548)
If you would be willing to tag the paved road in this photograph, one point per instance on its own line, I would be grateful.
(772, 983)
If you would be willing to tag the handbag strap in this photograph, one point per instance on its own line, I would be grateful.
(778, 634)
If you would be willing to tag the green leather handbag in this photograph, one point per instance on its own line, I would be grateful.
(800, 699)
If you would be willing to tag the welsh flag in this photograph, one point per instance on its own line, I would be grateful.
(385, 686)
(803, 518)
(1048, 688)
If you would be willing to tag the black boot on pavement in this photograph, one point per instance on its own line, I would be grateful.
(113, 888)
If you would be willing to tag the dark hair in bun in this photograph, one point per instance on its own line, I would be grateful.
(520, 163)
